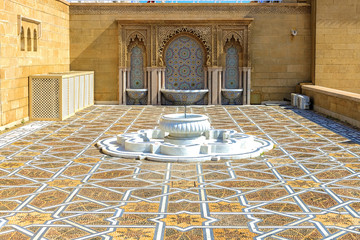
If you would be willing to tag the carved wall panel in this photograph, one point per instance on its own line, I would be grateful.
(239, 34)
(157, 34)
(216, 9)
(165, 33)
(132, 33)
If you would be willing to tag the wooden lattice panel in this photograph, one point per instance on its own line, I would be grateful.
(45, 98)
(57, 96)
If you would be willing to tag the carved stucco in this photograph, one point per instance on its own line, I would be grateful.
(139, 34)
(156, 36)
(238, 35)
(216, 9)
(203, 33)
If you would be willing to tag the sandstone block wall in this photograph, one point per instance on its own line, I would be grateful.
(52, 54)
(279, 60)
(337, 57)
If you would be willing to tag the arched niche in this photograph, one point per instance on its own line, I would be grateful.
(28, 37)
(185, 60)
(35, 41)
(233, 62)
(22, 39)
(137, 63)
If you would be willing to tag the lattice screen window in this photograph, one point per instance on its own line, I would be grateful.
(45, 98)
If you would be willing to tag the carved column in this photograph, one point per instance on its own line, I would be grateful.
(214, 85)
(148, 81)
(209, 83)
(243, 84)
(248, 85)
(219, 86)
(246, 77)
(159, 84)
(156, 81)
(122, 85)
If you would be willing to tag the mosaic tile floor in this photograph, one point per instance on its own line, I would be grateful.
(56, 185)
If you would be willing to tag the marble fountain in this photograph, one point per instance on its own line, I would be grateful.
(184, 138)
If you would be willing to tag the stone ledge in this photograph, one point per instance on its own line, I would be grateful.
(333, 92)
(180, 4)
(339, 104)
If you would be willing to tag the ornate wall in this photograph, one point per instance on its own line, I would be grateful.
(100, 35)
(181, 54)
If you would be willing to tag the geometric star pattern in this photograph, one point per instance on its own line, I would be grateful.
(55, 184)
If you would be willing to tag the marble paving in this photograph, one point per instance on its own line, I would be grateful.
(55, 184)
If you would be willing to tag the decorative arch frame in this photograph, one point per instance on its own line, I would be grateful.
(232, 41)
(136, 42)
(189, 32)
(135, 35)
(194, 38)
(234, 35)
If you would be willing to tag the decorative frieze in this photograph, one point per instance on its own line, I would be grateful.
(247, 10)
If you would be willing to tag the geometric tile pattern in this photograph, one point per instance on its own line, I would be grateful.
(184, 59)
(54, 183)
(232, 68)
(136, 68)
(16, 134)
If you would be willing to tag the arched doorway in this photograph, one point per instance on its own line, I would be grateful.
(184, 61)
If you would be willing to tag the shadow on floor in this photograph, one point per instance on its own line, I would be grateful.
(346, 131)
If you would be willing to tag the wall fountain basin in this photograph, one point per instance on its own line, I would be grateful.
(184, 97)
(231, 94)
(136, 95)
(181, 138)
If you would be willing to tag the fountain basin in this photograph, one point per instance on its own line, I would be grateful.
(181, 139)
(184, 97)
(231, 94)
(136, 94)
(218, 144)
(184, 129)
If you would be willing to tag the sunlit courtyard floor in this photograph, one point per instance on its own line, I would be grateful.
(55, 184)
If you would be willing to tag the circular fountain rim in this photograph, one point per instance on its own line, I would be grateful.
(185, 90)
(136, 90)
(232, 90)
(184, 139)
(180, 117)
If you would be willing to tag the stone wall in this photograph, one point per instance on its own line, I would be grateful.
(279, 60)
(50, 20)
(337, 62)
